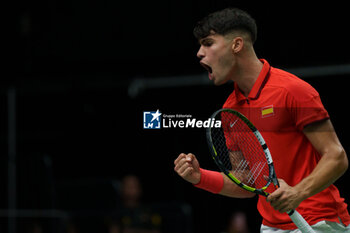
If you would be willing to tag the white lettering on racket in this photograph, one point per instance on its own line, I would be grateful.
(258, 167)
(242, 165)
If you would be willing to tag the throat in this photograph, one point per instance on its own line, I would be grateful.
(248, 76)
(245, 84)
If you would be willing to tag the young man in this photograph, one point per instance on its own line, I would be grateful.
(307, 154)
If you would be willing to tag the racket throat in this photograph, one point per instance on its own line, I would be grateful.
(261, 192)
(272, 176)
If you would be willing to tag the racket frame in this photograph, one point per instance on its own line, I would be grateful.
(272, 174)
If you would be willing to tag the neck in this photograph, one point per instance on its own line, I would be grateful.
(248, 72)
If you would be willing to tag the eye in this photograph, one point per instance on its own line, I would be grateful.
(207, 42)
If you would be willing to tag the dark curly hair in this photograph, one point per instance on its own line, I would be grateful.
(226, 21)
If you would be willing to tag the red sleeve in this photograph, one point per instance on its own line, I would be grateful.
(306, 106)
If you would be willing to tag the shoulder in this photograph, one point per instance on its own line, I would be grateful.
(293, 86)
(301, 100)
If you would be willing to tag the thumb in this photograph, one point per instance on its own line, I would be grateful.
(193, 160)
(190, 157)
(282, 182)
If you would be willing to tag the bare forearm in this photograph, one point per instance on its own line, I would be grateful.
(332, 165)
(230, 189)
(329, 168)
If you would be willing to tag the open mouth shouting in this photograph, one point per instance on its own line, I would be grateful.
(208, 68)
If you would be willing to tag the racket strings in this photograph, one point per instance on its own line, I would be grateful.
(240, 151)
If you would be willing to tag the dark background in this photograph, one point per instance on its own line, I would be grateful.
(71, 64)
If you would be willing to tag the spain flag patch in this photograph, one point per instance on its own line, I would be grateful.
(267, 111)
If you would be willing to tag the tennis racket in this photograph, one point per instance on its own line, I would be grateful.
(241, 153)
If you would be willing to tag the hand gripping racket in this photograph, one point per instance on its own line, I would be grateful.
(241, 153)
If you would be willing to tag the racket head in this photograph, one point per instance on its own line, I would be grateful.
(240, 152)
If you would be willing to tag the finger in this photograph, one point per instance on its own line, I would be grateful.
(190, 157)
(281, 204)
(277, 205)
(281, 207)
(282, 182)
(187, 172)
(184, 167)
(182, 155)
(284, 209)
(274, 196)
(180, 160)
(268, 198)
(180, 163)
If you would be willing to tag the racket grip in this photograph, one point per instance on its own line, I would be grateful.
(300, 222)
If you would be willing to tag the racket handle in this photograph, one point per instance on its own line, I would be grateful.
(300, 222)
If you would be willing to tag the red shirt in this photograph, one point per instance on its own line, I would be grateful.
(280, 105)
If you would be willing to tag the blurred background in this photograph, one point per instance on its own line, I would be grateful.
(75, 156)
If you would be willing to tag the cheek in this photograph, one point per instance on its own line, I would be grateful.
(226, 62)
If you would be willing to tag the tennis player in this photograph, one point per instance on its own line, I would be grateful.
(288, 112)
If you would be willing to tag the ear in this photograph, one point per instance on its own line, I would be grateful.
(237, 44)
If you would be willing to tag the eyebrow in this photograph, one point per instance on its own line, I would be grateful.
(206, 39)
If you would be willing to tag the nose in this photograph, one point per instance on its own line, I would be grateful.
(200, 53)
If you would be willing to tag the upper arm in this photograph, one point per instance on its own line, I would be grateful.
(324, 139)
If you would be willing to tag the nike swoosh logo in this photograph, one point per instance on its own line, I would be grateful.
(232, 124)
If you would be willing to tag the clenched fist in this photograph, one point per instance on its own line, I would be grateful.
(187, 166)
